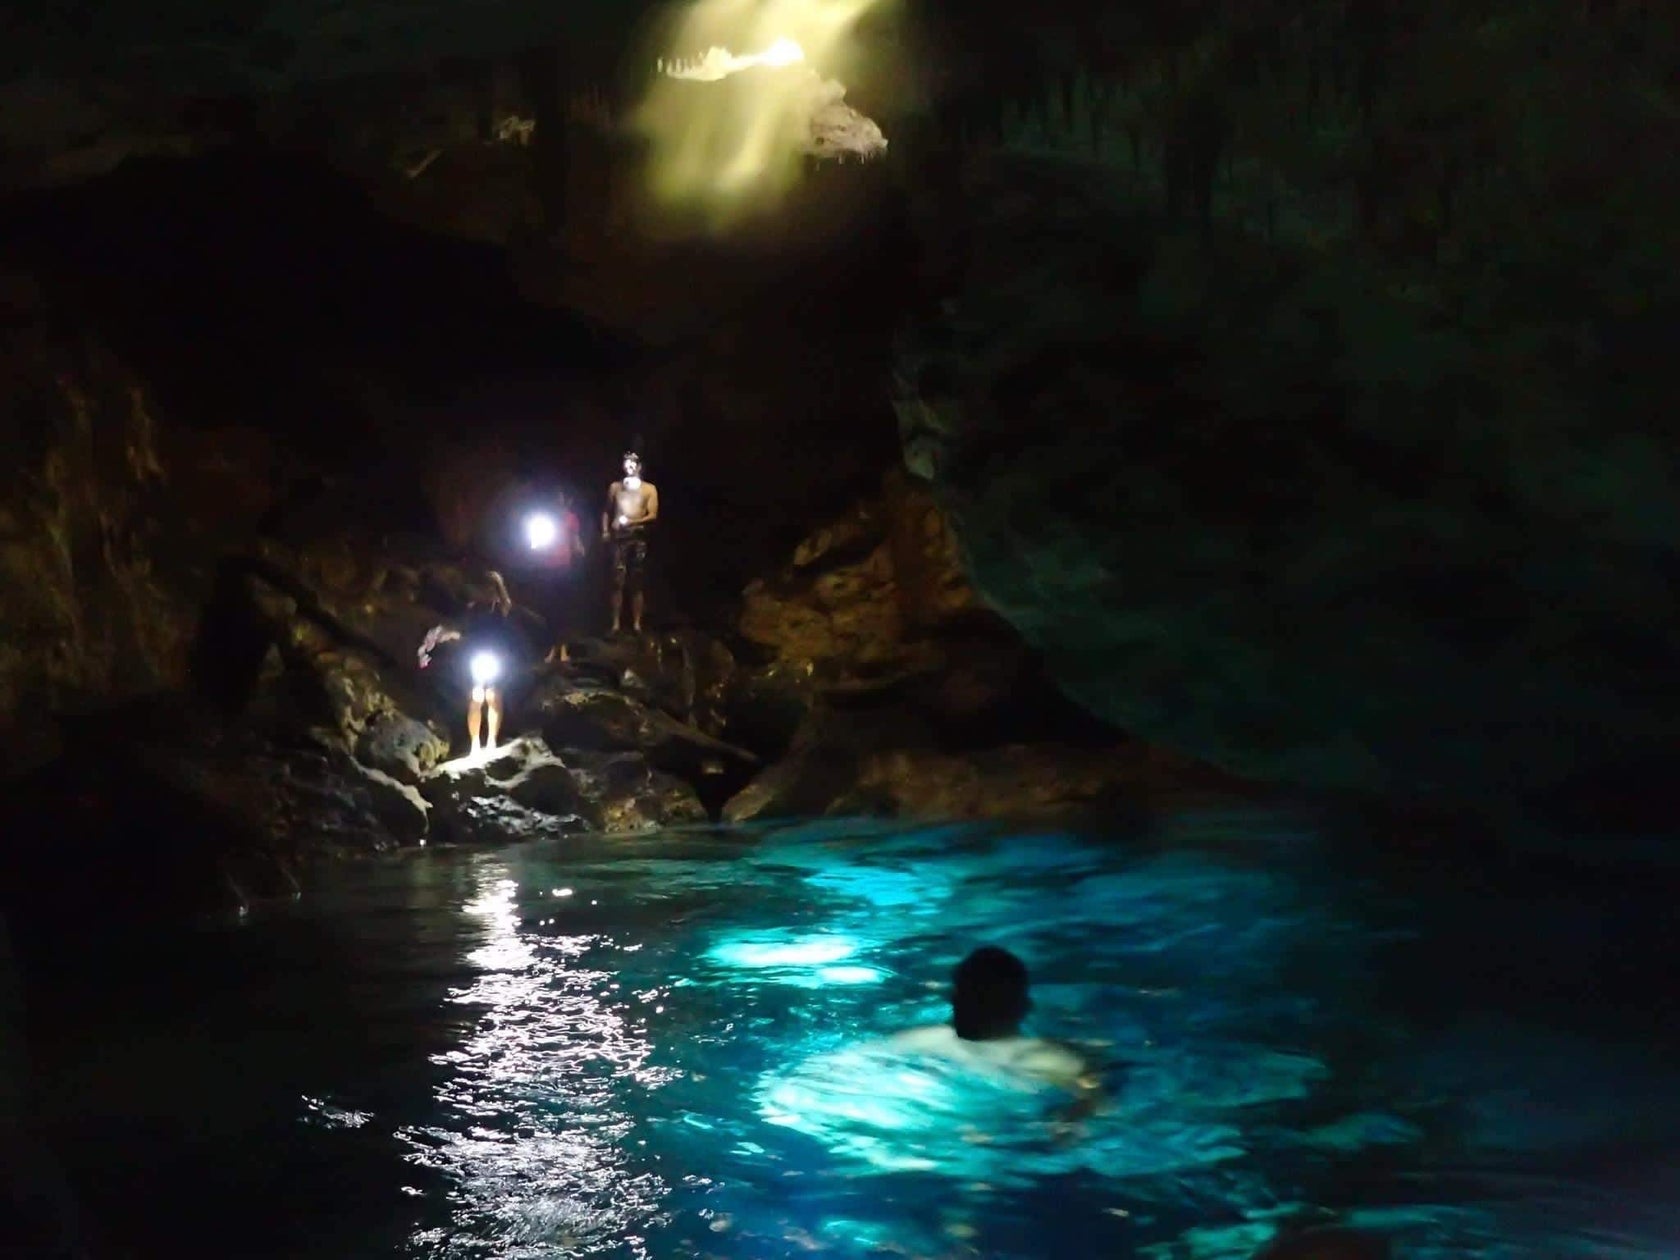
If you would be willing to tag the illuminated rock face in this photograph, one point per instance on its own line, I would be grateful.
(727, 131)
(839, 131)
(865, 591)
(818, 119)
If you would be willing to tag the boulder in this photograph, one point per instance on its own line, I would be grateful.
(803, 784)
(763, 707)
(1026, 783)
(864, 593)
(471, 803)
(400, 746)
(891, 759)
(595, 719)
(394, 804)
(626, 794)
(823, 759)
(527, 791)
(319, 676)
(311, 799)
(684, 673)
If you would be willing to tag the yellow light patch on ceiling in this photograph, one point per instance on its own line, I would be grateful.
(728, 132)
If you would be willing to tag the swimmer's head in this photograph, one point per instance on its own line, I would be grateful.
(989, 995)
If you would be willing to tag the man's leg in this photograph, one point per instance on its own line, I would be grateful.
(620, 567)
(638, 572)
(475, 711)
(493, 707)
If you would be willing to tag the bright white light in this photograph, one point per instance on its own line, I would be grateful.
(720, 63)
(541, 530)
(813, 951)
(486, 666)
(784, 52)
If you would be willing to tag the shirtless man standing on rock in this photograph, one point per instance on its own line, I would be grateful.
(632, 505)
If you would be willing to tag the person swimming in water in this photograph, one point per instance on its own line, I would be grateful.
(939, 1096)
(990, 1000)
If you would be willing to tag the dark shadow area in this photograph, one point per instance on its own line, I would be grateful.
(254, 285)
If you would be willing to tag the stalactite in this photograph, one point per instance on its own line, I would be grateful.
(541, 72)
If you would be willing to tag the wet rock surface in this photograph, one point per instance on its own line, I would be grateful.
(898, 693)
(525, 789)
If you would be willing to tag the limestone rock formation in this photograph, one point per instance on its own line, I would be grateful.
(882, 762)
(1277, 510)
(527, 791)
(400, 746)
(109, 525)
(899, 695)
(599, 720)
(867, 592)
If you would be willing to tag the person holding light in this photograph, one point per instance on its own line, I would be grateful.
(632, 506)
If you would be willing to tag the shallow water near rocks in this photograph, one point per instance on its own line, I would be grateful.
(662, 1047)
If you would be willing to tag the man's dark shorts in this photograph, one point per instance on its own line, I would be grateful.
(629, 556)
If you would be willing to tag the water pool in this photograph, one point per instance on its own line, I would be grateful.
(666, 1047)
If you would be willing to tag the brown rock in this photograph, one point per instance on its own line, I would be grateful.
(598, 720)
(109, 524)
(528, 790)
(844, 766)
(866, 591)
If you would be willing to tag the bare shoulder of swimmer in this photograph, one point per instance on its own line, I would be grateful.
(1029, 1058)
(1057, 1064)
(932, 1039)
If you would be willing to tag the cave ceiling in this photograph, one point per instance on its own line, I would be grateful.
(85, 84)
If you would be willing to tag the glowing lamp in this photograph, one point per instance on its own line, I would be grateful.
(486, 667)
(542, 531)
(784, 52)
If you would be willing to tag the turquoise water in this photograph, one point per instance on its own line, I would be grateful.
(670, 1047)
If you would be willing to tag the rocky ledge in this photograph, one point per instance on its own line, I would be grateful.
(863, 679)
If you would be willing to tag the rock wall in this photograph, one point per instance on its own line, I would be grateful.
(868, 592)
(109, 525)
(1289, 400)
(905, 696)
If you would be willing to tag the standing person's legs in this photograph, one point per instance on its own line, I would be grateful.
(638, 572)
(620, 563)
(493, 715)
(564, 590)
(475, 714)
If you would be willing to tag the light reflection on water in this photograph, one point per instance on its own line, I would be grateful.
(537, 1134)
(674, 1050)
